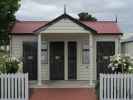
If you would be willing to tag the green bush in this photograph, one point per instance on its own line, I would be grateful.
(9, 64)
(121, 64)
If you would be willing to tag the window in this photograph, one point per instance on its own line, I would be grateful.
(44, 52)
(85, 52)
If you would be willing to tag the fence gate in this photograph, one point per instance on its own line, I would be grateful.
(14, 86)
(116, 86)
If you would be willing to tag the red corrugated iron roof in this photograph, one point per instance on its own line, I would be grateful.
(27, 26)
(102, 27)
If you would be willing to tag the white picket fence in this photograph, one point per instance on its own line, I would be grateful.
(116, 86)
(14, 86)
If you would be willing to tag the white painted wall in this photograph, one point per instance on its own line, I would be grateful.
(127, 48)
(115, 38)
(64, 26)
(96, 38)
(17, 44)
(84, 71)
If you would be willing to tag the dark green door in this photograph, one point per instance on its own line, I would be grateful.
(72, 60)
(104, 51)
(30, 59)
(57, 61)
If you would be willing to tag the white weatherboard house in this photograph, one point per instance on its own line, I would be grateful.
(65, 49)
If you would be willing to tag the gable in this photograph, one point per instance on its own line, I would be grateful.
(64, 21)
(64, 25)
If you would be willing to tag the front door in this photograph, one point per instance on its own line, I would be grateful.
(56, 60)
(104, 51)
(30, 59)
(72, 60)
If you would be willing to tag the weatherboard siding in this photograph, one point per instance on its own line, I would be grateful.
(45, 72)
(17, 50)
(127, 48)
(113, 38)
(83, 70)
(76, 33)
(17, 44)
(106, 38)
(65, 26)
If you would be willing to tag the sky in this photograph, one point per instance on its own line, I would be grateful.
(101, 9)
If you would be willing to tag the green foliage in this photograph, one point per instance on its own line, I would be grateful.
(12, 67)
(7, 18)
(84, 16)
(9, 64)
(121, 64)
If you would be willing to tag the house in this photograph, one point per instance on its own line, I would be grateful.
(127, 46)
(64, 49)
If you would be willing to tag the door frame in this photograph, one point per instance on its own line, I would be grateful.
(65, 54)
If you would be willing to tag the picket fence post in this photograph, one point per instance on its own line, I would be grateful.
(14, 86)
(116, 86)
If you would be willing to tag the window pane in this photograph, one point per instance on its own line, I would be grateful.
(85, 53)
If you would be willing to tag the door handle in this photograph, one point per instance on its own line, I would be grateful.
(57, 57)
(30, 57)
(105, 57)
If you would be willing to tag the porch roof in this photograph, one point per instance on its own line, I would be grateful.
(100, 27)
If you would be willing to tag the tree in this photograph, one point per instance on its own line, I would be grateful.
(7, 18)
(84, 16)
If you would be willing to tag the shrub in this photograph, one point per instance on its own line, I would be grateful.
(9, 64)
(121, 64)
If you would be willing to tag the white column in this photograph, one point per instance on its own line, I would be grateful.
(119, 43)
(117, 47)
(66, 61)
(39, 60)
(91, 59)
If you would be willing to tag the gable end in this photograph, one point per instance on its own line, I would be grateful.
(65, 16)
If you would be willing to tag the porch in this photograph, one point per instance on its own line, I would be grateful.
(81, 56)
(62, 84)
(67, 58)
